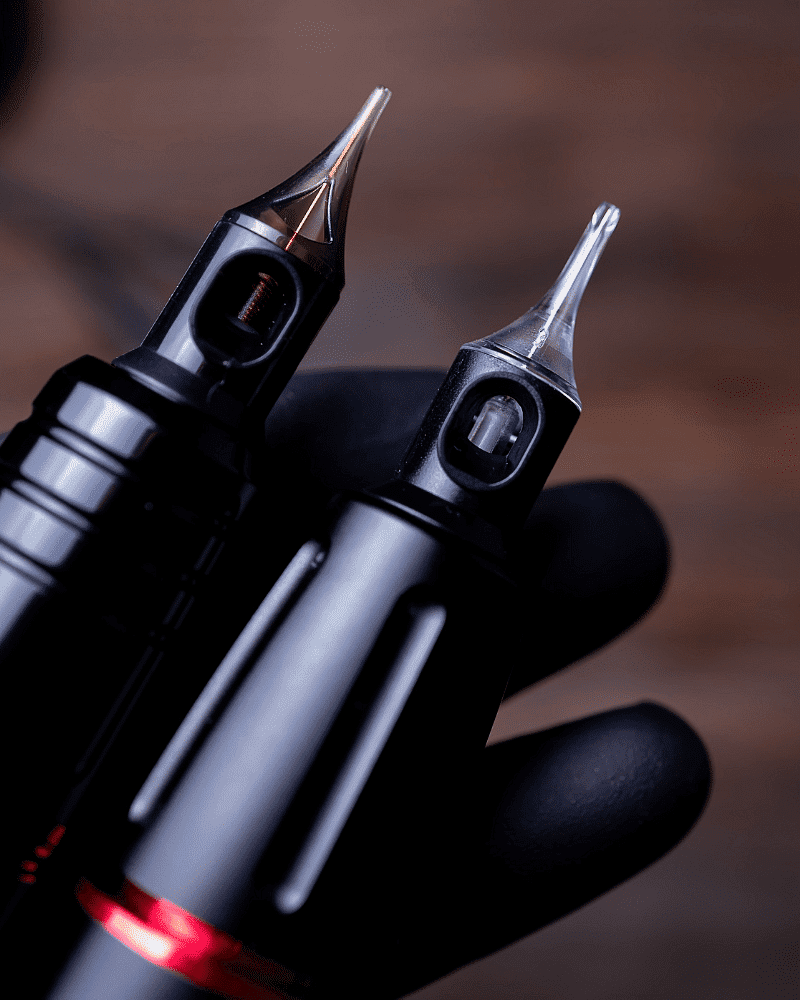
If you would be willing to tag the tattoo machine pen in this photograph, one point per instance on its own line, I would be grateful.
(347, 704)
(118, 493)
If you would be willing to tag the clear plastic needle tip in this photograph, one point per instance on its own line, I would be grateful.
(543, 335)
(307, 214)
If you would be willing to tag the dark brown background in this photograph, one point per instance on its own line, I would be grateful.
(509, 123)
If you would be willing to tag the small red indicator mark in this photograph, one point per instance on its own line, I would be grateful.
(55, 835)
(42, 851)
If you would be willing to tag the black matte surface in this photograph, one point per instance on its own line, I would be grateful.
(547, 821)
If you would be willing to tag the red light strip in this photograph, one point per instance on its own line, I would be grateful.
(171, 937)
(42, 851)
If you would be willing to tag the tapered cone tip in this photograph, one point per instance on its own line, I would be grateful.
(318, 214)
(308, 212)
(562, 300)
(544, 334)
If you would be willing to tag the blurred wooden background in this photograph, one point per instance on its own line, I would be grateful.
(509, 123)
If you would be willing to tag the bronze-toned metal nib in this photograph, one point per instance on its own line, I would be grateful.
(307, 214)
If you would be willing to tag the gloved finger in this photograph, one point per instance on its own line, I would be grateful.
(349, 429)
(554, 820)
(592, 561)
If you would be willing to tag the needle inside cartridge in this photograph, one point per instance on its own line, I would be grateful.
(308, 212)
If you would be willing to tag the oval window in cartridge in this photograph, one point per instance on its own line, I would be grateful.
(240, 318)
(490, 431)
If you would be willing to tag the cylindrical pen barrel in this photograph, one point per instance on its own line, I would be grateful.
(110, 516)
(357, 666)
(116, 499)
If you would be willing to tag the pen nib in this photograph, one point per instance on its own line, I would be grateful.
(543, 335)
(307, 213)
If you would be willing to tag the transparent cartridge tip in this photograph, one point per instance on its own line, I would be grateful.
(307, 213)
(543, 335)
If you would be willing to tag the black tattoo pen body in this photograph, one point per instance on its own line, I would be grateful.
(117, 496)
(344, 708)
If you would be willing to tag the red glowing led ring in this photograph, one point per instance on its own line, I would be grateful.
(174, 939)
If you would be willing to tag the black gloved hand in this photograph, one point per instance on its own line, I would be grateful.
(557, 818)
(553, 819)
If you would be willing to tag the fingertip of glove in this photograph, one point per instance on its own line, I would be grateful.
(611, 793)
(594, 558)
(350, 428)
(617, 526)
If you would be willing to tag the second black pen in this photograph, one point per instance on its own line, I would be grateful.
(117, 498)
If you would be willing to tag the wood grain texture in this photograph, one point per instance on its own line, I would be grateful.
(509, 123)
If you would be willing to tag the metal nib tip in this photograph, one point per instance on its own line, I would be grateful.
(543, 335)
(307, 214)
